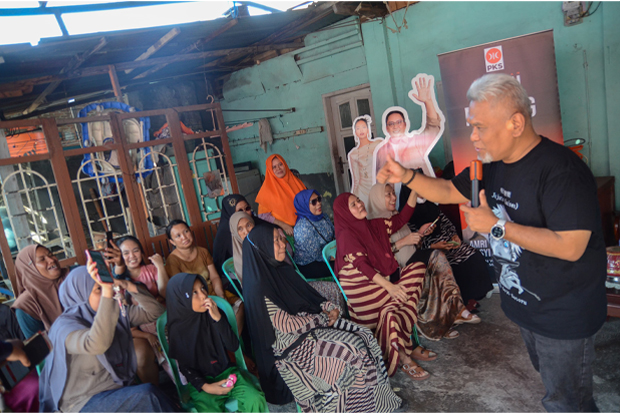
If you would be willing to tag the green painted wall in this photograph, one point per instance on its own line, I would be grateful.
(309, 154)
(390, 60)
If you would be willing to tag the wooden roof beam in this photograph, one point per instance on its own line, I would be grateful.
(158, 45)
(103, 70)
(72, 65)
(319, 12)
(191, 47)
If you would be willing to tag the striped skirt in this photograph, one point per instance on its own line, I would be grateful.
(372, 307)
(338, 369)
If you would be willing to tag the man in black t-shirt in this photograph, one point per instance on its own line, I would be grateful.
(539, 206)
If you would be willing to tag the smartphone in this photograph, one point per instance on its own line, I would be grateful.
(454, 243)
(109, 238)
(433, 223)
(104, 272)
(36, 348)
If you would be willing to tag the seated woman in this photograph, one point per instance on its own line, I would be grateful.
(301, 343)
(129, 258)
(244, 224)
(222, 244)
(133, 265)
(275, 197)
(313, 230)
(470, 270)
(93, 361)
(440, 305)
(38, 276)
(200, 337)
(381, 297)
(189, 258)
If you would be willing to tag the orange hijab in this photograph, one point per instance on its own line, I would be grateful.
(277, 194)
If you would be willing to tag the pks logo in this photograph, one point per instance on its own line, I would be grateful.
(494, 59)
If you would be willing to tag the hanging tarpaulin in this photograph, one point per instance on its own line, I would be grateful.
(100, 133)
(531, 60)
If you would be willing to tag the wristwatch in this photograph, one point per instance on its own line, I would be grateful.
(499, 230)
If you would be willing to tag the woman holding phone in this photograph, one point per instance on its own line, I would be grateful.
(130, 263)
(92, 362)
(470, 269)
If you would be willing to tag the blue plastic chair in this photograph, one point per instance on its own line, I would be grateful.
(229, 270)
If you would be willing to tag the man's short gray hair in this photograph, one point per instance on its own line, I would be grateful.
(496, 87)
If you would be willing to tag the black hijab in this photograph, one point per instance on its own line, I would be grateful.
(265, 277)
(222, 245)
(195, 340)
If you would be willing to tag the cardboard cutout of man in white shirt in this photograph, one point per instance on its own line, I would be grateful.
(411, 149)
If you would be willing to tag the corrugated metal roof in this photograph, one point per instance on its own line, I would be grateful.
(50, 56)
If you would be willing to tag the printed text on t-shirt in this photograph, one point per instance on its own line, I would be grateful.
(503, 198)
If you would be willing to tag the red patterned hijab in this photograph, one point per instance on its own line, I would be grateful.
(362, 236)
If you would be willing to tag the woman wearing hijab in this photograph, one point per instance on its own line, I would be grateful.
(360, 157)
(440, 306)
(301, 343)
(470, 270)
(381, 297)
(92, 360)
(313, 230)
(275, 197)
(38, 276)
(200, 336)
(240, 226)
(222, 244)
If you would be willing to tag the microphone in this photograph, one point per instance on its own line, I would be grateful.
(475, 174)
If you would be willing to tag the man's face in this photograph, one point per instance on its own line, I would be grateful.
(396, 124)
(491, 130)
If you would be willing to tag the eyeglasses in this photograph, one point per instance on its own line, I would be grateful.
(395, 123)
(316, 200)
(246, 209)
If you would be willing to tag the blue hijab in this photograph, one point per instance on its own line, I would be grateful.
(302, 205)
(119, 360)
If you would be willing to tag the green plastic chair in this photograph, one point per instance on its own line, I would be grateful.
(329, 251)
(231, 405)
(291, 240)
(229, 270)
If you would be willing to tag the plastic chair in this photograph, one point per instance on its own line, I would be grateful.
(231, 405)
(291, 240)
(329, 252)
(182, 390)
(229, 270)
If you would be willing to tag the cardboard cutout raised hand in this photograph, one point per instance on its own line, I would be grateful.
(411, 149)
(361, 157)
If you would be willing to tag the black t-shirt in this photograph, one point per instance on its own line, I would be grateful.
(550, 187)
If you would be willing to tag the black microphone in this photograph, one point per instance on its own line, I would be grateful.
(475, 174)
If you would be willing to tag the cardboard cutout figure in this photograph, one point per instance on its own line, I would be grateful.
(361, 157)
(412, 149)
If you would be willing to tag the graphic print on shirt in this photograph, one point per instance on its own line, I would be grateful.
(506, 254)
